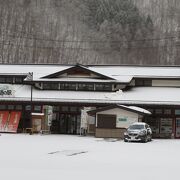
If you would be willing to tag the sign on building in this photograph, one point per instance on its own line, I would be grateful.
(48, 115)
(7, 90)
(125, 121)
(86, 120)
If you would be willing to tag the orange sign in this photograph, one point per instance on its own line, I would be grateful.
(13, 121)
(3, 120)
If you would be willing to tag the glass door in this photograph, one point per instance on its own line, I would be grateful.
(166, 126)
(78, 124)
(63, 123)
(177, 127)
(68, 124)
(72, 124)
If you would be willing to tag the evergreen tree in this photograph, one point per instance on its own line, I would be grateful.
(118, 20)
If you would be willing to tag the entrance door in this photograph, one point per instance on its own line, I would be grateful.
(166, 126)
(68, 124)
(177, 127)
(63, 123)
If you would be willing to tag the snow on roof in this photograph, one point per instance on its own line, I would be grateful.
(137, 95)
(135, 108)
(76, 79)
(38, 70)
(120, 73)
(125, 73)
(134, 96)
(140, 109)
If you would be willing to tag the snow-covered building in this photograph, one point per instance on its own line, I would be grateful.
(66, 89)
(113, 120)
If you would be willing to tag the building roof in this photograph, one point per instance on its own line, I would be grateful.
(81, 68)
(122, 74)
(134, 109)
(136, 95)
(72, 79)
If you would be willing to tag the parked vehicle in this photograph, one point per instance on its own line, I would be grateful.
(138, 131)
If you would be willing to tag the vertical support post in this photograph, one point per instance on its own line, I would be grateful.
(31, 94)
(31, 78)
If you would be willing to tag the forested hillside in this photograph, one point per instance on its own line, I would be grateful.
(90, 31)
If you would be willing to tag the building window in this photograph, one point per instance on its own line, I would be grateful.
(10, 107)
(56, 108)
(28, 107)
(37, 108)
(177, 111)
(86, 87)
(167, 111)
(2, 107)
(73, 109)
(6, 80)
(2, 79)
(68, 86)
(79, 109)
(177, 122)
(9, 80)
(18, 107)
(50, 86)
(143, 82)
(103, 87)
(64, 108)
(18, 80)
(158, 111)
(166, 125)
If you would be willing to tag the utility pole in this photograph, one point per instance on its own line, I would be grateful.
(30, 77)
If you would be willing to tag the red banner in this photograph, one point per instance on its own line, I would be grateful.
(13, 121)
(4, 115)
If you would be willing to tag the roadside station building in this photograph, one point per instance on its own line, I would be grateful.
(53, 96)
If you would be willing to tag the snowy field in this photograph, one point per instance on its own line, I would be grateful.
(64, 157)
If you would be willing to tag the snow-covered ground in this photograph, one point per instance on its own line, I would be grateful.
(64, 157)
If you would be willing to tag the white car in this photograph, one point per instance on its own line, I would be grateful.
(138, 131)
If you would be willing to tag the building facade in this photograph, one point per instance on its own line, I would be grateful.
(112, 121)
(67, 89)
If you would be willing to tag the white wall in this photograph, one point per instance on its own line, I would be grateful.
(123, 118)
